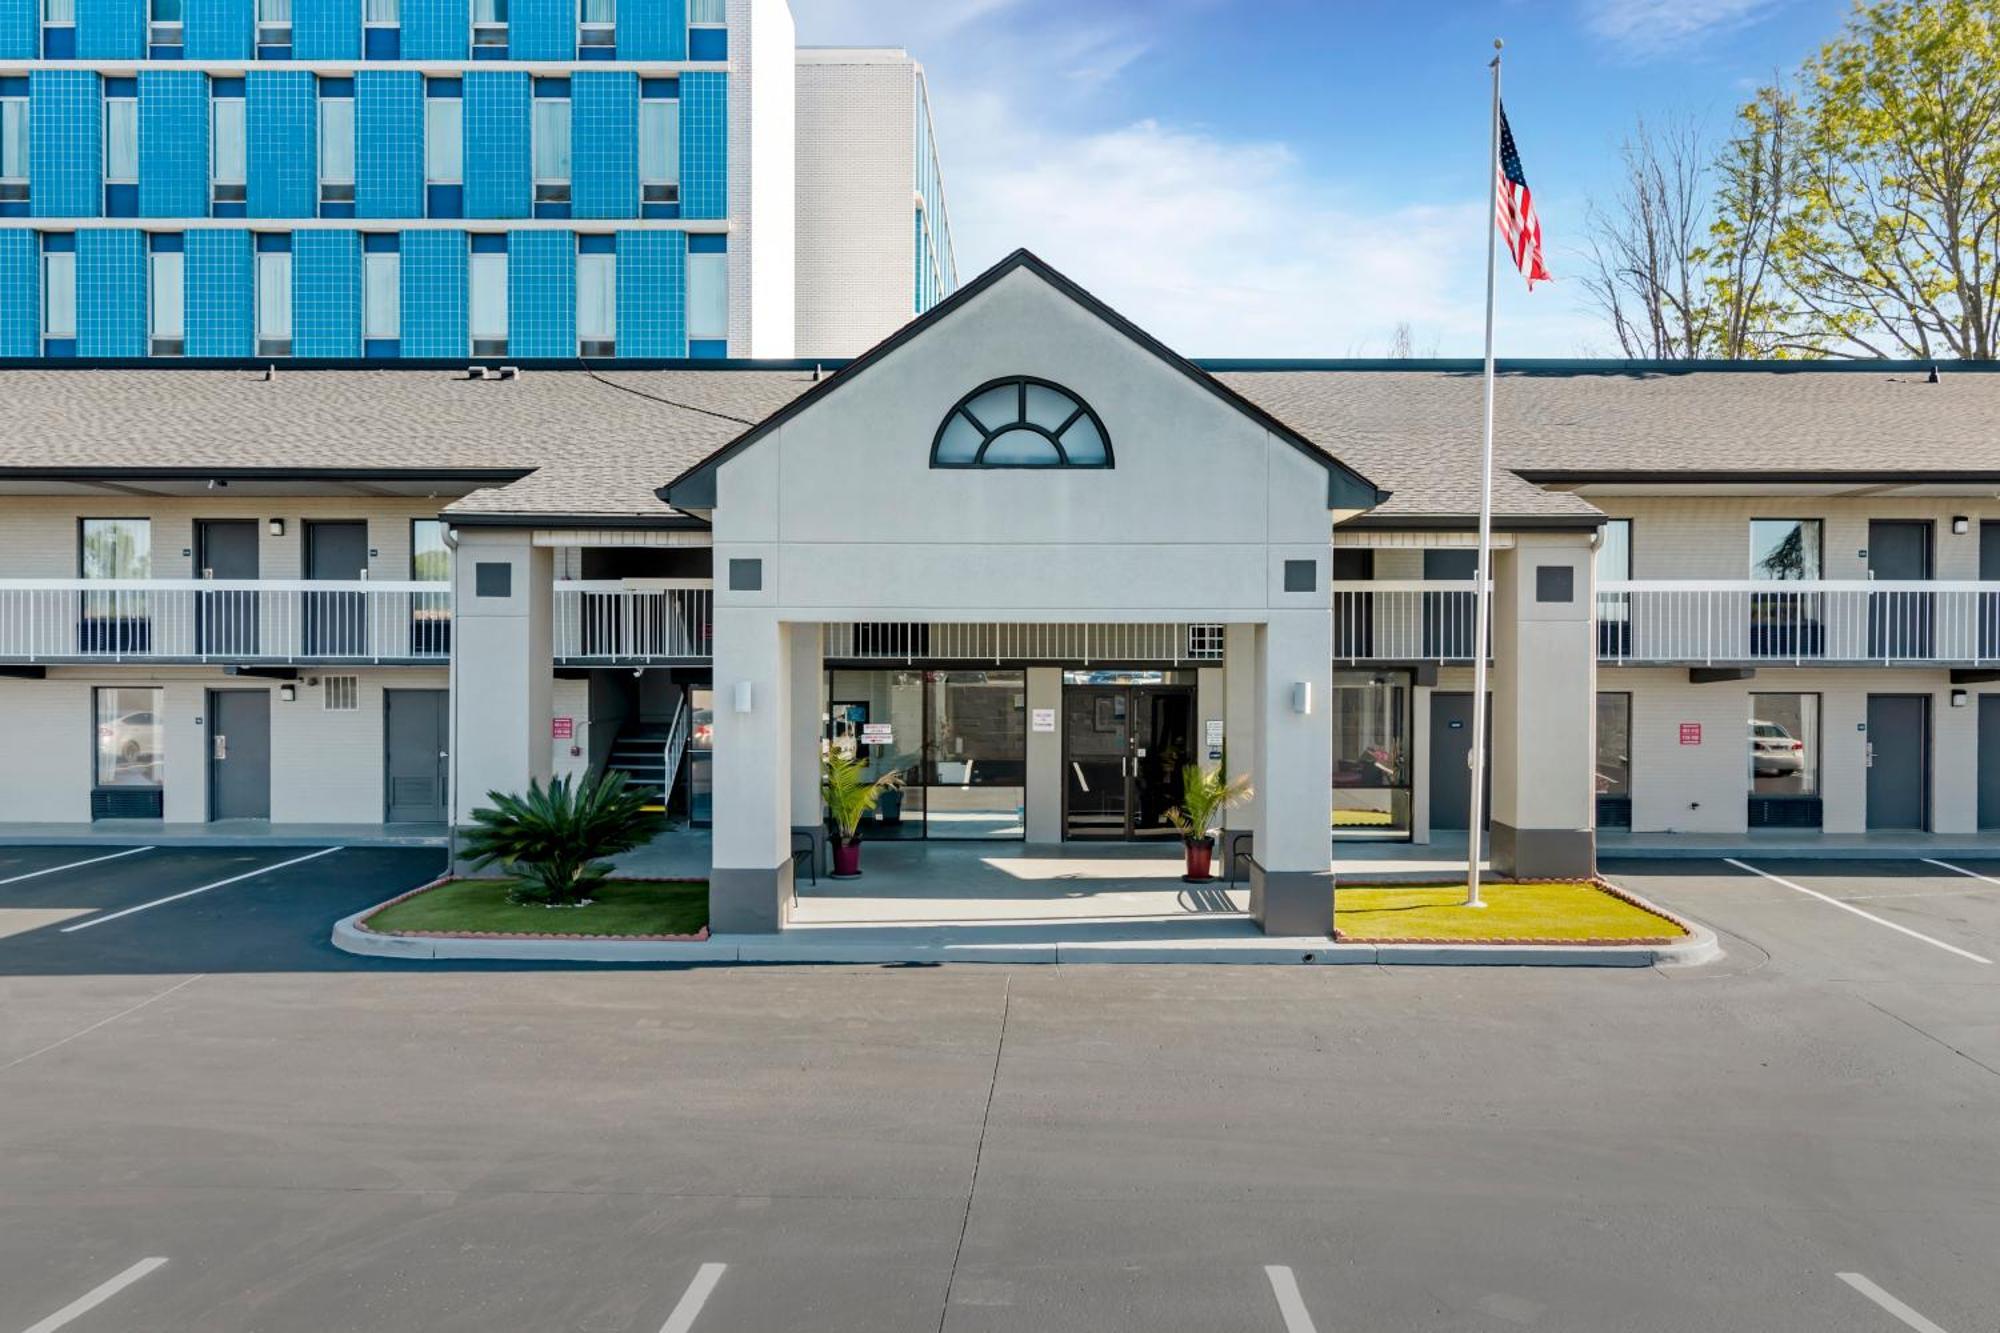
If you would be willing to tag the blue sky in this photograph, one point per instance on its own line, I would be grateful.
(1295, 177)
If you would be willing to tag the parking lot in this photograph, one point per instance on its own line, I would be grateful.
(216, 1121)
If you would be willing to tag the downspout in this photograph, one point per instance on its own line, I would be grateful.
(451, 730)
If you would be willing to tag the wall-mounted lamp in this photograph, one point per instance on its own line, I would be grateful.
(1959, 698)
(288, 692)
(742, 696)
(1960, 525)
(277, 527)
(1302, 697)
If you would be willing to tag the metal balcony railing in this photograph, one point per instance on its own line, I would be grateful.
(1404, 620)
(60, 621)
(608, 622)
(1842, 621)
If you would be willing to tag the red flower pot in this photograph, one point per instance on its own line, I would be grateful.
(847, 859)
(1200, 861)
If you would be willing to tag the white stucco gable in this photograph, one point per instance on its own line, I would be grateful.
(840, 505)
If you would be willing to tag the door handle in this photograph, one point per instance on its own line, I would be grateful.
(1868, 760)
(221, 746)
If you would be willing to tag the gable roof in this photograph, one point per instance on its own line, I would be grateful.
(694, 489)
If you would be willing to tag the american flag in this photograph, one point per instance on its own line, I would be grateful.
(1515, 211)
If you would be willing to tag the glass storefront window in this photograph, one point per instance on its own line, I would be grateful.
(1784, 745)
(1614, 745)
(1371, 754)
(958, 738)
(701, 756)
(131, 742)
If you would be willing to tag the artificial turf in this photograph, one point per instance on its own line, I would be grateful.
(621, 907)
(1531, 912)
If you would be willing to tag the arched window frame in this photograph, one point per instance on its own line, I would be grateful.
(988, 434)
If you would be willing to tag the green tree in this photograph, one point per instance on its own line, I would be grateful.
(1888, 242)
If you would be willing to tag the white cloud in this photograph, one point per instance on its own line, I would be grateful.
(1650, 27)
(1220, 245)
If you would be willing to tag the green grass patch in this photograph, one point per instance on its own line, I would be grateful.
(622, 907)
(1525, 913)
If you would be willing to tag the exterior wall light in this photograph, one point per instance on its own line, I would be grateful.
(1302, 697)
(742, 696)
(1960, 525)
(1959, 698)
(277, 527)
(288, 692)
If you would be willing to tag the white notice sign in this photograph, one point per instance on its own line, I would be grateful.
(878, 733)
(1043, 719)
(1214, 732)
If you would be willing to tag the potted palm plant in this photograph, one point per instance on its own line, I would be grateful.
(849, 795)
(1205, 794)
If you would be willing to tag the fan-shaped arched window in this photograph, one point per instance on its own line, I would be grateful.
(1021, 422)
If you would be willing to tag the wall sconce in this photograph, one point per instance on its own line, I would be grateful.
(1302, 697)
(742, 696)
(288, 692)
(1960, 525)
(277, 527)
(1959, 698)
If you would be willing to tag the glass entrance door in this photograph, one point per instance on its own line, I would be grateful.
(1124, 746)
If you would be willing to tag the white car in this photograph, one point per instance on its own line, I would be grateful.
(1775, 752)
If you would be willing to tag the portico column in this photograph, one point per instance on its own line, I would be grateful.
(503, 593)
(750, 887)
(1544, 692)
(1291, 874)
(1239, 736)
(808, 685)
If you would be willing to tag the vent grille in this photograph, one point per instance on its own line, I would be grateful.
(343, 694)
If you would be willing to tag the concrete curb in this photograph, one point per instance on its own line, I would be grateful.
(812, 946)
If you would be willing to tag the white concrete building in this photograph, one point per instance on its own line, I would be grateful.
(874, 240)
(1034, 562)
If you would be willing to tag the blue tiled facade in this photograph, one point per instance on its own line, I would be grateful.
(230, 150)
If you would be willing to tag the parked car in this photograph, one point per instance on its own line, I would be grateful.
(1775, 752)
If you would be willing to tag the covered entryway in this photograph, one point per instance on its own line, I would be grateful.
(1124, 747)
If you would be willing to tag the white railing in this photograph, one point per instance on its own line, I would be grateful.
(676, 748)
(1404, 620)
(1083, 644)
(223, 620)
(634, 620)
(1747, 621)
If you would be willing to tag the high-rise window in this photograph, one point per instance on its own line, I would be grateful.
(660, 150)
(707, 296)
(166, 23)
(336, 149)
(597, 22)
(121, 140)
(274, 22)
(489, 302)
(708, 11)
(552, 150)
(167, 317)
(382, 13)
(489, 22)
(59, 13)
(597, 303)
(381, 294)
(13, 149)
(274, 303)
(59, 294)
(444, 140)
(227, 146)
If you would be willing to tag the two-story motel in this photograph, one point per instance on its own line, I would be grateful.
(1029, 558)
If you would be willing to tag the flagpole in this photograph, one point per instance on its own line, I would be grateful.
(1482, 597)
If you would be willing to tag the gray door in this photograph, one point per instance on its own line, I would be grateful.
(335, 622)
(1989, 603)
(1898, 761)
(1899, 622)
(239, 754)
(417, 741)
(1451, 746)
(226, 622)
(1989, 761)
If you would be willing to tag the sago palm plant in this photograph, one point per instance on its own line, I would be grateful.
(552, 840)
(849, 793)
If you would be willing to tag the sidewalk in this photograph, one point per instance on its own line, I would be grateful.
(221, 833)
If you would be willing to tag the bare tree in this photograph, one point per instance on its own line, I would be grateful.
(1757, 175)
(1646, 266)
(1403, 344)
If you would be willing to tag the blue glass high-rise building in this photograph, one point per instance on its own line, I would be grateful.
(397, 178)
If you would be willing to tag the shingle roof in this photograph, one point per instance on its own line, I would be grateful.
(601, 445)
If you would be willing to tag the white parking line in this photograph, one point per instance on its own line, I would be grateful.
(85, 1032)
(1889, 1303)
(1961, 870)
(97, 1296)
(189, 893)
(1290, 1304)
(696, 1296)
(76, 865)
(1825, 898)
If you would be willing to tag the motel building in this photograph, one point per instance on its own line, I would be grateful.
(1029, 558)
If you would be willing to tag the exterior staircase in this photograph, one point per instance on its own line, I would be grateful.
(649, 754)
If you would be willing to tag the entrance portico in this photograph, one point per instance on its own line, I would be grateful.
(1020, 465)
